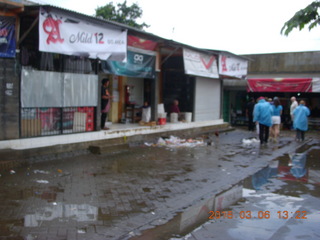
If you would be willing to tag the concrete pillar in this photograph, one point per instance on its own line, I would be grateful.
(155, 97)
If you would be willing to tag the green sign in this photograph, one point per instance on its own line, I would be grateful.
(138, 65)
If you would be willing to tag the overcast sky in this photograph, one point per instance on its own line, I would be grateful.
(238, 26)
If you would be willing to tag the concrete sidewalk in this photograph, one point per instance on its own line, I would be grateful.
(19, 152)
(145, 193)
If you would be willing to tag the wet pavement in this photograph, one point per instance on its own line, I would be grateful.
(149, 192)
(281, 201)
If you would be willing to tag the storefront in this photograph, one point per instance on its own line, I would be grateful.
(284, 88)
(60, 67)
(207, 85)
(9, 79)
(132, 80)
(234, 72)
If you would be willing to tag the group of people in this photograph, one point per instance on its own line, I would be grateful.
(266, 114)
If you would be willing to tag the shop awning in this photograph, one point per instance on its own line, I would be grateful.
(279, 85)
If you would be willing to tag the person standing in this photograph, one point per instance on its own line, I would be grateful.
(262, 113)
(300, 120)
(249, 112)
(105, 102)
(276, 119)
(293, 106)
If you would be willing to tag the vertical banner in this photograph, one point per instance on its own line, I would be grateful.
(7, 37)
(200, 64)
(60, 33)
(233, 67)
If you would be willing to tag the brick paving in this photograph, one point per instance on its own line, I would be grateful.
(118, 196)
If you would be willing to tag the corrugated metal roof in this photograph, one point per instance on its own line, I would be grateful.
(130, 29)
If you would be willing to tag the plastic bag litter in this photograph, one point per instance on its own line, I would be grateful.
(161, 142)
(42, 181)
(173, 142)
(250, 141)
(40, 171)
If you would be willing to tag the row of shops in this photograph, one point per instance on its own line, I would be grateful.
(53, 61)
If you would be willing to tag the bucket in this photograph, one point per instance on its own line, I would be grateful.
(188, 116)
(174, 117)
(162, 121)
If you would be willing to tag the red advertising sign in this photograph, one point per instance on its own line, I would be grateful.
(280, 85)
(141, 43)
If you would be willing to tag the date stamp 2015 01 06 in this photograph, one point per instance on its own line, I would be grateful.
(257, 215)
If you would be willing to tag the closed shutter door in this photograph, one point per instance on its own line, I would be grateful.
(207, 99)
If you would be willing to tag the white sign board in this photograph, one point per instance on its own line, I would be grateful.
(63, 34)
(316, 85)
(233, 67)
(200, 64)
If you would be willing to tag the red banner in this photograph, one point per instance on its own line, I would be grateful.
(141, 43)
(280, 85)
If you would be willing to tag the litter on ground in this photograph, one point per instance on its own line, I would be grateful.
(174, 142)
(250, 141)
(40, 171)
(42, 181)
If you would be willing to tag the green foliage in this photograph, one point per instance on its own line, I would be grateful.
(308, 15)
(122, 14)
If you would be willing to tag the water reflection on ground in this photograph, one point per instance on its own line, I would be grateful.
(280, 201)
(156, 192)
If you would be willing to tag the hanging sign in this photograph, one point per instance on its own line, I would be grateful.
(233, 67)
(7, 37)
(316, 85)
(138, 65)
(137, 42)
(280, 85)
(200, 64)
(59, 33)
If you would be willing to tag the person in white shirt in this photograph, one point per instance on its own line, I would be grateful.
(293, 106)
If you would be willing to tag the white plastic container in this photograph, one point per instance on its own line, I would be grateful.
(160, 108)
(173, 117)
(162, 115)
(188, 116)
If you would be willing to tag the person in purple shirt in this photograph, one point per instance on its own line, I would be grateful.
(175, 107)
(276, 119)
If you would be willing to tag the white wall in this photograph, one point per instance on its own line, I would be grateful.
(138, 84)
(207, 99)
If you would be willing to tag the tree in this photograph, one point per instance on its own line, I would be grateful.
(308, 15)
(122, 14)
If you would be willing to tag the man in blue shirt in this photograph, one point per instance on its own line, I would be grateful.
(262, 114)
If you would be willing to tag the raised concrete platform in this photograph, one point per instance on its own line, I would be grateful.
(115, 131)
(19, 152)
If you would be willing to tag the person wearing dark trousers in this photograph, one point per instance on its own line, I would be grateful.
(262, 114)
(300, 120)
(263, 133)
(249, 112)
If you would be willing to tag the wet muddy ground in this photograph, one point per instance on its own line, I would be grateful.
(135, 193)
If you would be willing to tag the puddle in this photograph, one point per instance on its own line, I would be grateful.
(272, 195)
